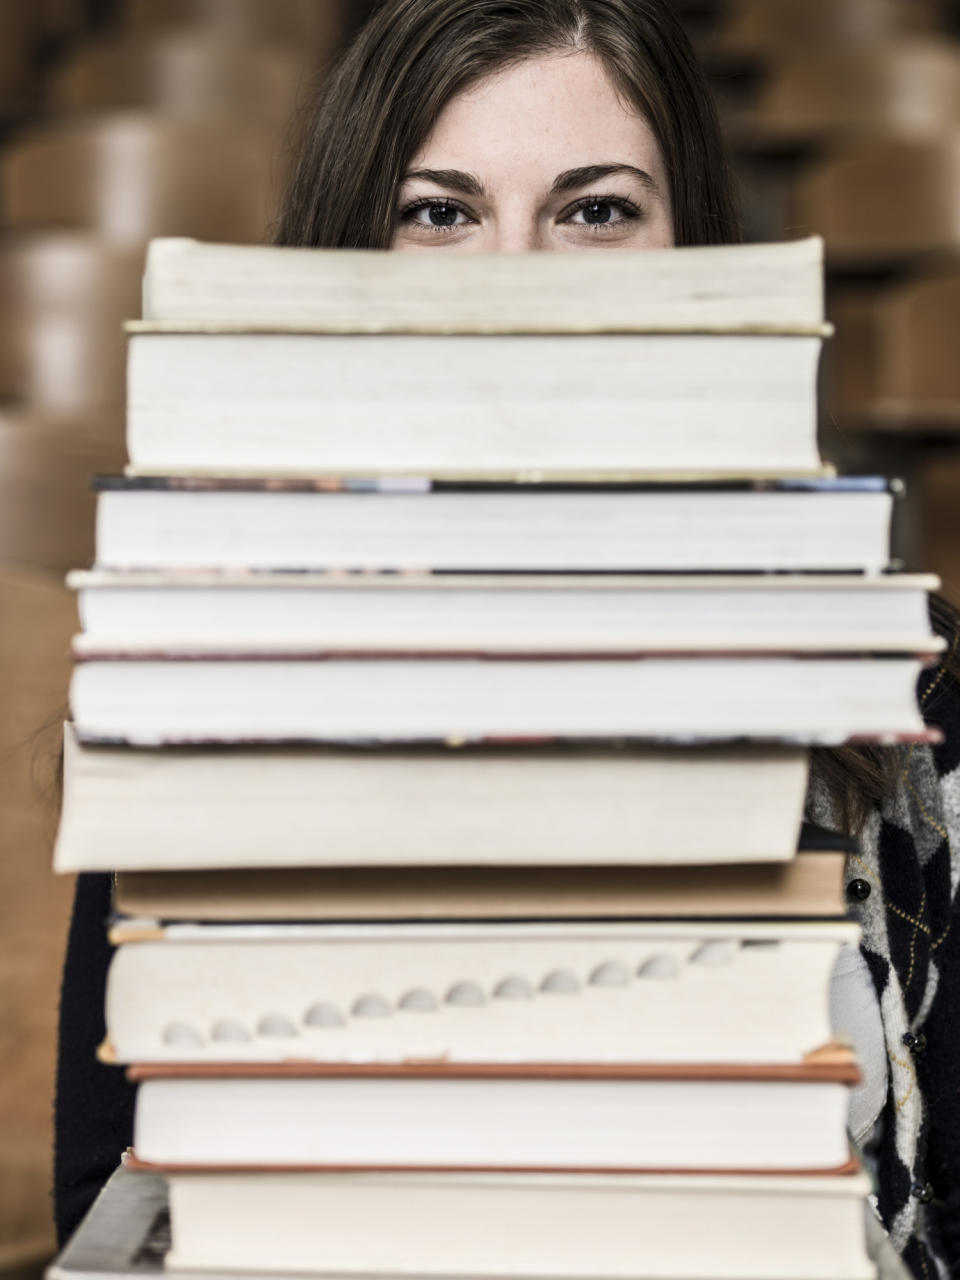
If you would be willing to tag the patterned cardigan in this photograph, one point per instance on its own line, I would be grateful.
(910, 859)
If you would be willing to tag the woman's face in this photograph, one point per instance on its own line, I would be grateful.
(543, 155)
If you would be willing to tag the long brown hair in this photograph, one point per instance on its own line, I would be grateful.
(379, 104)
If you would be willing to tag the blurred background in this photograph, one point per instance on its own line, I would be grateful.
(126, 119)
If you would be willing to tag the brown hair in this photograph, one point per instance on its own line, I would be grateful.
(859, 779)
(381, 101)
(413, 56)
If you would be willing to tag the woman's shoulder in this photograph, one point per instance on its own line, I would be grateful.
(919, 821)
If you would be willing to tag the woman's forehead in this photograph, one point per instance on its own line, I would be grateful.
(537, 119)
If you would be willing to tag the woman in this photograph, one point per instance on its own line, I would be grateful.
(459, 125)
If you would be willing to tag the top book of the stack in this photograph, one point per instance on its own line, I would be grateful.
(760, 288)
(254, 360)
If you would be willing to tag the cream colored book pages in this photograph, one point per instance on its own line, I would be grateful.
(526, 529)
(610, 993)
(502, 1123)
(168, 810)
(129, 1221)
(775, 287)
(665, 584)
(565, 405)
(149, 610)
(562, 1226)
(458, 699)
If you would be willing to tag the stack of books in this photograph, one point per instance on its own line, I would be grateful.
(449, 671)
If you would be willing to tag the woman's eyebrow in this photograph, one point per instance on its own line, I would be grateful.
(456, 179)
(570, 179)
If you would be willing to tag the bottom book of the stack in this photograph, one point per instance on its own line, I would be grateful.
(126, 1236)
(567, 1226)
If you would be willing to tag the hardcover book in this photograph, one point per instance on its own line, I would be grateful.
(566, 1226)
(126, 1235)
(776, 287)
(525, 804)
(558, 404)
(414, 523)
(238, 695)
(645, 991)
(469, 611)
(531, 1118)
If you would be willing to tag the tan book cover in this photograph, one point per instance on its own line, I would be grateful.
(812, 884)
(132, 1162)
(833, 1063)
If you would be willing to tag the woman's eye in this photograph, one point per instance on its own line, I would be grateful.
(599, 212)
(436, 215)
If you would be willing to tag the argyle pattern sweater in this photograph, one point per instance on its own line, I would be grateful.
(906, 902)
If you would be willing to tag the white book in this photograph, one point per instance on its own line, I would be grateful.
(760, 286)
(239, 695)
(468, 611)
(471, 404)
(547, 1226)
(602, 992)
(838, 525)
(535, 1118)
(127, 1232)
(181, 809)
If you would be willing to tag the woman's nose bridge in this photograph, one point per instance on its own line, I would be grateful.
(517, 231)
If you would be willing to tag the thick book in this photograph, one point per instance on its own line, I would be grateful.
(415, 524)
(646, 991)
(700, 289)
(812, 884)
(291, 695)
(127, 1233)
(189, 809)
(507, 1226)
(421, 610)
(479, 404)
(532, 1118)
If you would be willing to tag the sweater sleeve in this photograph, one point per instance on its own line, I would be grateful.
(938, 1061)
(93, 1121)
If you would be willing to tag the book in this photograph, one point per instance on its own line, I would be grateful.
(197, 696)
(185, 608)
(702, 289)
(812, 884)
(539, 1118)
(415, 523)
(127, 1233)
(495, 405)
(658, 992)
(567, 1226)
(190, 809)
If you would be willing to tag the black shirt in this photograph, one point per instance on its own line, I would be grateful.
(94, 1105)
